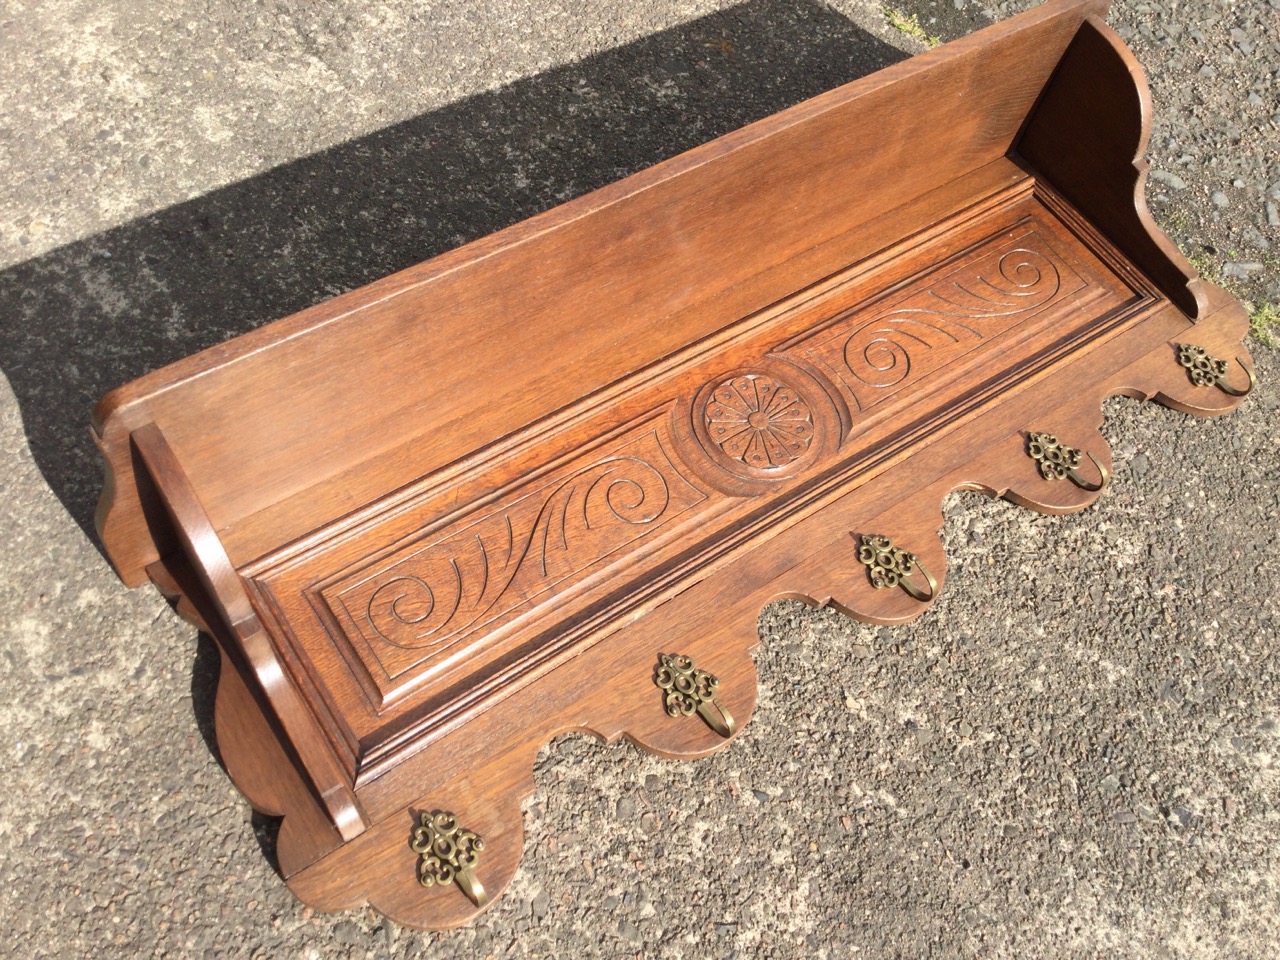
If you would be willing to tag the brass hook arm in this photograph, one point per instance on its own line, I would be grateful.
(1074, 476)
(1206, 370)
(718, 718)
(913, 591)
(1232, 391)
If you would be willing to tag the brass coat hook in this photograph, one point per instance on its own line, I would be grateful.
(687, 690)
(1206, 370)
(448, 853)
(1057, 461)
(889, 566)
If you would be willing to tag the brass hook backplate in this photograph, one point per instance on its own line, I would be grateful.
(448, 854)
(688, 690)
(889, 566)
(1057, 461)
(1206, 370)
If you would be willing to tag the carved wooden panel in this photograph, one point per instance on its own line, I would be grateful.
(435, 598)
(456, 592)
(877, 349)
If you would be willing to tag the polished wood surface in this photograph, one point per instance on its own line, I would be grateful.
(621, 278)
(441, 519)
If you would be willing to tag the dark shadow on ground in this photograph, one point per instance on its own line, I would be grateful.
(205, 673)
(93, 315)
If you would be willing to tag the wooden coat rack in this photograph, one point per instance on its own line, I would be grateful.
(546, 481)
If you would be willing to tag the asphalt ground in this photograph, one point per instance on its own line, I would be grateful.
(1073, 754)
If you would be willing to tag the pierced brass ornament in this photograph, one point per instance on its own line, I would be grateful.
(889, 566)
(1206, 370)
(688, 690)
(1057, 461)
(447, 854)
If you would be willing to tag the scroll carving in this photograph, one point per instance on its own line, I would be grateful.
(879, 353)
(500, 560)
(459, 581)
(874, 350)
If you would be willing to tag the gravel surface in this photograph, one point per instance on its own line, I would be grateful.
(1073, 754)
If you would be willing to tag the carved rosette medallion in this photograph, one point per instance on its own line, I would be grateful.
(759, 421)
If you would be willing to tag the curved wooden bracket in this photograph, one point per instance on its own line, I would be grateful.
(1088, 138)
(204, 552)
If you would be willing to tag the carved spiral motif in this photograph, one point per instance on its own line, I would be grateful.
(879, 352)
(445, 848)
(1023, 273)
(878, 360)
(636, 496)
(467, 578)
(759, 421)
